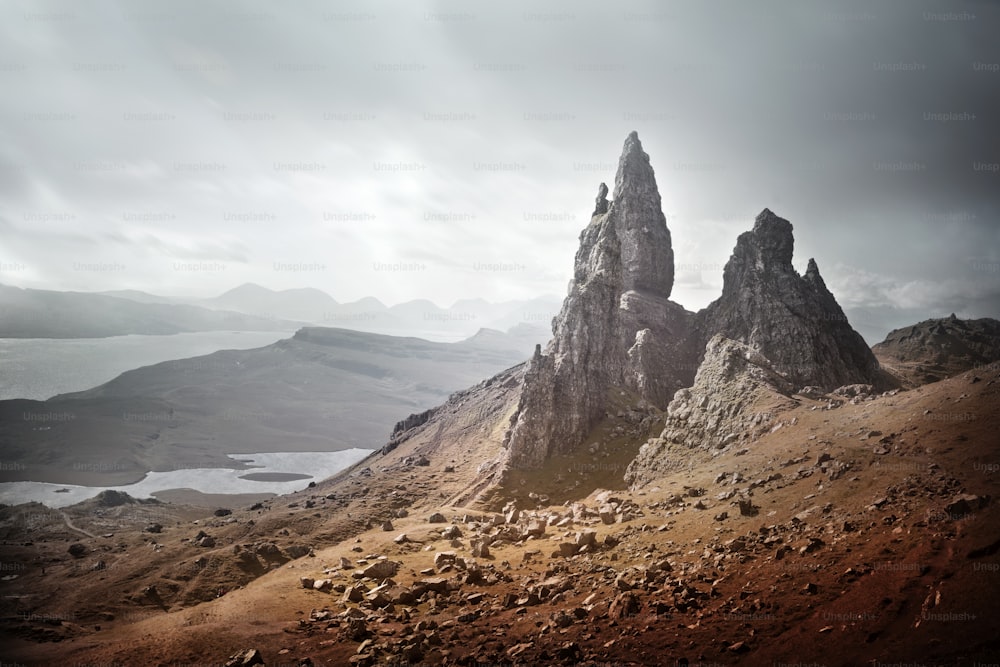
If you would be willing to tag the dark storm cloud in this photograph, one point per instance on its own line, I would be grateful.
(464, 142)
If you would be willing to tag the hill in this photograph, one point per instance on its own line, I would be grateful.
(31, 313)
(850, 534)
(936, 349)
(321, 390)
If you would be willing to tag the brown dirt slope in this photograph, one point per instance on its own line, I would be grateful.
(868, 534)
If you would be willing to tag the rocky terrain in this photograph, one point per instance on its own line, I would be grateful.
(936, 349)
(742, 485)
(859, 532)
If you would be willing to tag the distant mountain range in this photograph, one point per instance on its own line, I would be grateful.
(32, 313)
(314, 306)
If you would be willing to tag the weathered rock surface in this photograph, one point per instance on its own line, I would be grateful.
(793, 320)
(617, 327)
(619, 334)
(724, 407)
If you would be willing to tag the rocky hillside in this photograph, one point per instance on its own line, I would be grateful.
(936, 349)
(735, 396)
(738, 486)
(857, 532)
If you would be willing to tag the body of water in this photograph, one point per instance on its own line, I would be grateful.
(40, 368)
(264, 477)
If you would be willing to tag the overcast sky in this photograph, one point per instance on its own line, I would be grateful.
(448, 150)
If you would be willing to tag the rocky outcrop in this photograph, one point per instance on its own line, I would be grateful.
(771, 333)
(793, 321)
(734, 395)
(405, 428)
(936, 349)
(617, 328)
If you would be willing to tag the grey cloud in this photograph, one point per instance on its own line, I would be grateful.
(452, 133)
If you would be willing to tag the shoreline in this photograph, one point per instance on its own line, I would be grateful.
(200, 499)
(274, 473)
(241, 462)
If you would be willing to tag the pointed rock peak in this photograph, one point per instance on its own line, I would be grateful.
(634, 170)
(632, 143)
(602, 200)
(767, 221)
(812, 274)
(647, 256)
(772, 237)
(765, 215)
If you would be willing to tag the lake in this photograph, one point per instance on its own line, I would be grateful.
(39, 368)
(280, 473)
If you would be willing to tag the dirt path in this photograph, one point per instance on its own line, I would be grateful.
(74, 527)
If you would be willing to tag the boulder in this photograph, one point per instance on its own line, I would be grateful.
(964, 505)
(624, 605)
(443, 558)
(536, 528)
(567, 549)
(585, 538)
(245, 658)
(381, 569)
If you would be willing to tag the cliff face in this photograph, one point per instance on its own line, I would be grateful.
(617, 327)
(793, 321)
(732, 401)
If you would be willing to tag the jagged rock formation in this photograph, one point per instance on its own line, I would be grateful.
(793, 321)
(619, 330)
(404, 428)
(734, 395)
(771, 333)
(617, 327)
(936, 349)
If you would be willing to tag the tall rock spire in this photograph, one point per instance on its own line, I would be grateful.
(647, 255)
(616, 329)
